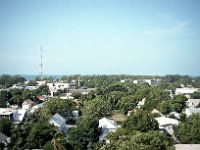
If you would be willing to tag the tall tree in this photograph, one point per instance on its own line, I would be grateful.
(140, 121)
(87, 131)
(96, 108)
(6, 126)
(63, 107)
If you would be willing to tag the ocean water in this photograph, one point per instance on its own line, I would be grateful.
(33, 77)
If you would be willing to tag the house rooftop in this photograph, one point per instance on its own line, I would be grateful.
(193, 100)
(163, 121)
(6, 111)
(194, 110)
(187, 146)
(107, 123)
(58, 119)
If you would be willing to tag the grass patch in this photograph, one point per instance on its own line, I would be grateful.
(118, 117)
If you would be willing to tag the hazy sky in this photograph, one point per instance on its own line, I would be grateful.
(151, 37)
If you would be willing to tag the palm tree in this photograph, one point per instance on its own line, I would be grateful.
(56, 141)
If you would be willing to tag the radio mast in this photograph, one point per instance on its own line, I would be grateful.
(41, 65)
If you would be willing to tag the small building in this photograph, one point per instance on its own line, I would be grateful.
(190, 111)
(107, 126)
(27, 104)
(14, 115)
(150, 81)
(141, 103)
(138, 81)
(40, 83)
(193, 103)
(125, 80)
(185, 91)
(58, 121)
(167, 124)
(55, 86)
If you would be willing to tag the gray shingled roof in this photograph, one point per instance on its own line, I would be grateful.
(3, 137)
(58, 119)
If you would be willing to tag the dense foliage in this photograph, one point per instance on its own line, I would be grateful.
(7, 81)
(87, 131)
(6, 126)
(140, 121)
(188, 132)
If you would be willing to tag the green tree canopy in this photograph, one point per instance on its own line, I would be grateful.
(188, 132)
(152, 140)
(96, 108)
(87, 131)
(196, 95)
(63, 107)
(140, 121)
(6, 126)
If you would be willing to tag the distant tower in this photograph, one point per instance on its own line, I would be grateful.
(79, 81)
(41, 73)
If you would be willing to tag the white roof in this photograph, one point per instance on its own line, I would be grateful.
(30, 87)
(187, 146)
(194, 100)
(7, 111)
(107, 123)
(36, 107)
(186, 90)
(18, 115)
(194, 110)
(58, 119)
(163, 121)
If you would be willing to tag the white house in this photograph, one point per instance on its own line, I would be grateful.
(190, 111)
(141, 103)
(125, 80)
(54, 87)
(39, 83)
(138, 81)
(149, 81)
(15, 115)
(185, 91)
(192, 103)
(107, 126)
(167, 124)
(58, 121)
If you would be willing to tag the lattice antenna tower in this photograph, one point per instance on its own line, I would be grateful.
(41, 64)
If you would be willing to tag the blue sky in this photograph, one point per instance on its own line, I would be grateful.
(150, 37)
